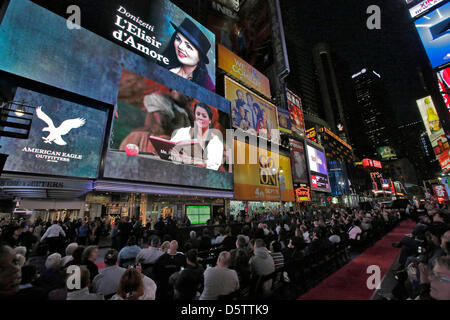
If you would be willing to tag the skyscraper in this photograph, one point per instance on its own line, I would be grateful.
(373, 117)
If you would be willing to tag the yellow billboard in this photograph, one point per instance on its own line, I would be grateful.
(259, 174)
(235, 66)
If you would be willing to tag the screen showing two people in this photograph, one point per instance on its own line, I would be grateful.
(155, 121)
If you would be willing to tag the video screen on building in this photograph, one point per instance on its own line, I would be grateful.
(160, 133)
(251, 113)
(295, 109)
(444, 85)
(247, 33)
(298, 160)
(318, 168)
(284, 120)
(198, 214)
(433, 29)
(65, 138)
(157, 30)
(260, 174)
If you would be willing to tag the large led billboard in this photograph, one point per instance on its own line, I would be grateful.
(161, 135)
(317, 164)
(65, 138)
(157, 30)
(237, 67)
(444, 85)
(251, 113)
(258, 176)
(435, 132)
(298, 160)
(386, 152)
(295, 108)
(247, 34)
(75, 60)
(433, 29)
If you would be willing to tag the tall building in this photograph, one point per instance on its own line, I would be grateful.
(332, 103)
(373, 114)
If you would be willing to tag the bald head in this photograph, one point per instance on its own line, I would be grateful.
(224, 259)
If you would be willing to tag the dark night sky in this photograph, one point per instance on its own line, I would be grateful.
(394, 51)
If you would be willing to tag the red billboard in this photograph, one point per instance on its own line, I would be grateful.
(444, 85)
(440, 192)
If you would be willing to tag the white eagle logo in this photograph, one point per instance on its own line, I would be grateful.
(63, 129)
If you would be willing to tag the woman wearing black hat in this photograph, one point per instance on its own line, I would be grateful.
(187, 52)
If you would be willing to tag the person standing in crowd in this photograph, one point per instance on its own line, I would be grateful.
(124, 231)
(220, 280)
(83, 233)
(69, 251)
(52, 235)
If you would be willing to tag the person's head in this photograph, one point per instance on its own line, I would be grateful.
(242, 111)
(440, 279)
(132, 241)
(21, 250)
(111, 257)
(71, 248)
(10, 273)
(156, 241)
(224, 259)
(186, 52)
(240, 242)
(90, 253)
(191, 257)
(259, 243)
(173, 247)
(192, 234)
(275, 246)
(239, 94)
(165, 246)
(203, 115)
(53, 261)
(131, 286)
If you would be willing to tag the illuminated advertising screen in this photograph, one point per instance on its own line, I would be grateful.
(75, 60)
(258, 176)
(386, 152)
(318, 168)
(433, 30)
(311, 134)
(298, 160)
(235, 66)
(295, 109)
(251, 113)
(65, 138)
(284, 120)
(161, 135)
(444, 85)
(435, 132)
(157, 30)
(247, 33)
(198, 214)
(422, 7)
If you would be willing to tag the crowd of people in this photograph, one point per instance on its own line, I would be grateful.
(60, 261)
